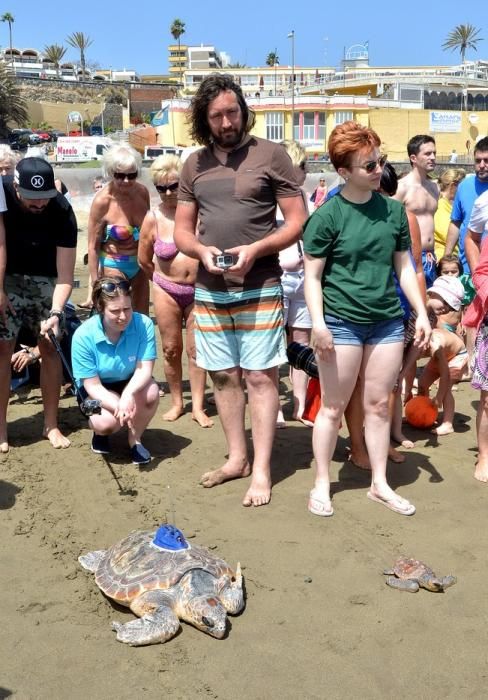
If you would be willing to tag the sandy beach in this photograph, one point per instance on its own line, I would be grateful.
(319, 621)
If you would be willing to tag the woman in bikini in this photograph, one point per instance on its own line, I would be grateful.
(116, 215)
(173, 275)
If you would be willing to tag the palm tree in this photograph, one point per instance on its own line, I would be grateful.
(13, 108)
(54, 54)
(177, 29)
(273, 60)
(80, 41)
(462, 37)
(7, 17)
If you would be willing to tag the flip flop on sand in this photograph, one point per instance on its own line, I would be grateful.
(317, 506)
(394, 504)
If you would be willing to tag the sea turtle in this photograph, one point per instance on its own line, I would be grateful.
(411, 574)
(162, 579)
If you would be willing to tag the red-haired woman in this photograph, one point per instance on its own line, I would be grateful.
(352, 244)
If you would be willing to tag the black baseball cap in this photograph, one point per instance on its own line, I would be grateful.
(35, 179)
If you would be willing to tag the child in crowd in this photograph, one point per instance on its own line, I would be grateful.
(447, 353)
(451, 265)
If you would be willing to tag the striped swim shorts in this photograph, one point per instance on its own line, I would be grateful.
(239, 329)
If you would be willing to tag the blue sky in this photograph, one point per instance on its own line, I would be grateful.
(129, 35)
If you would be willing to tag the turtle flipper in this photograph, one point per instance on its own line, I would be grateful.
(402, 584)
(231, 594)
(448, 581)
(153, 628)
(91, 560)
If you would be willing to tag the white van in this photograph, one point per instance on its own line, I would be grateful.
(76, 149)
(152, 152)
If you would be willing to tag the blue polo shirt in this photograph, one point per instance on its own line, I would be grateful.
(467, 192)
(94, 355)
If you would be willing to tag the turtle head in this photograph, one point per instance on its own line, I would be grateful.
(206, 613)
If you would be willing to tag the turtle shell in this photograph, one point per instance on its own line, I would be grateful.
(406, 568)
(134, 565)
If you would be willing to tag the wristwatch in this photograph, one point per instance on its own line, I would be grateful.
(59, 314)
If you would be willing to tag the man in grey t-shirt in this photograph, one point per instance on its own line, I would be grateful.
(231, 187)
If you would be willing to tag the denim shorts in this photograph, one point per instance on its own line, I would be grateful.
(349, 333)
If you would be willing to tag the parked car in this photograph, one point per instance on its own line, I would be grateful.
(55, 134)
(45, 136)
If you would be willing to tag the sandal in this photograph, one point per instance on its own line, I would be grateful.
(317, 506)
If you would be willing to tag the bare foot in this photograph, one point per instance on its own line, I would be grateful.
(259, 493)
(395, 456)
(280, 420)
(202, 419)
(174, 413)
(403, 441)
(56, 438)
(299, 416)
(226, 473)
(481, 471)
(443, 429)
(360, 459)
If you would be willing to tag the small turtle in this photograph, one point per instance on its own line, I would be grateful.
(412, 574)
(162, 579)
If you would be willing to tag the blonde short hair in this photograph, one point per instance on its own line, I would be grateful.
(121, 157)
(296, 152)
(451, 176)
(7, 154)
(163, 165)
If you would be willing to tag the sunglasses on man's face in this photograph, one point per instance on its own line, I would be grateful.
(112, 287)
(164, 188)
(371, 165)
(122, 176)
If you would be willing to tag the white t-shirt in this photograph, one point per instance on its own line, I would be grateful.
(479, 215)
(3, 205)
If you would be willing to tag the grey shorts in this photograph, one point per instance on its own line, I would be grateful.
(31, 297)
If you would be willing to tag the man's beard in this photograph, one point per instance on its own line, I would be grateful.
(230, 139)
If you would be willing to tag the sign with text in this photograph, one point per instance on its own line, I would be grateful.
(445, 121)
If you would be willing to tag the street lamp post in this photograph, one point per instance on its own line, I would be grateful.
(291, 36)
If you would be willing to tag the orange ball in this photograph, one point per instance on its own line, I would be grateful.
(421, 412)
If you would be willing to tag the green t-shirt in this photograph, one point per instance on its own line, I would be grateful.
(358, 242)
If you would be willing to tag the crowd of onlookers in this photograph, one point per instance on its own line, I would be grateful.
(395, 261)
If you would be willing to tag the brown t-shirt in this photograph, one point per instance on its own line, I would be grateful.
(237, 204)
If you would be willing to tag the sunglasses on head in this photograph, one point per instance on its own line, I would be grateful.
(172, 188)
(111, 287)
(122, 176)
(371, 165)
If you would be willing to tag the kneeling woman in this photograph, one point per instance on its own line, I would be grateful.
(113, 357)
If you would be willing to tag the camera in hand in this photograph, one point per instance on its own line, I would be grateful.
(90, 407)
(302, 357)
(224, 261)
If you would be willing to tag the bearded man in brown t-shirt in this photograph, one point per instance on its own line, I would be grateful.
(230, 189)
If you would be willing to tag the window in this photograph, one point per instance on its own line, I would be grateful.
(296, 126)
(274, 126)
(247, 79)
(341, 117)
(308, 126)
(321, 126)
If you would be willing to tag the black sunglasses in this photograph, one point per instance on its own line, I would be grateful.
(371, 165)
(172, 188)
(112, 287)
(122, 176)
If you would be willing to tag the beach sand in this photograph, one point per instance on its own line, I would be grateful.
(319, 621)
